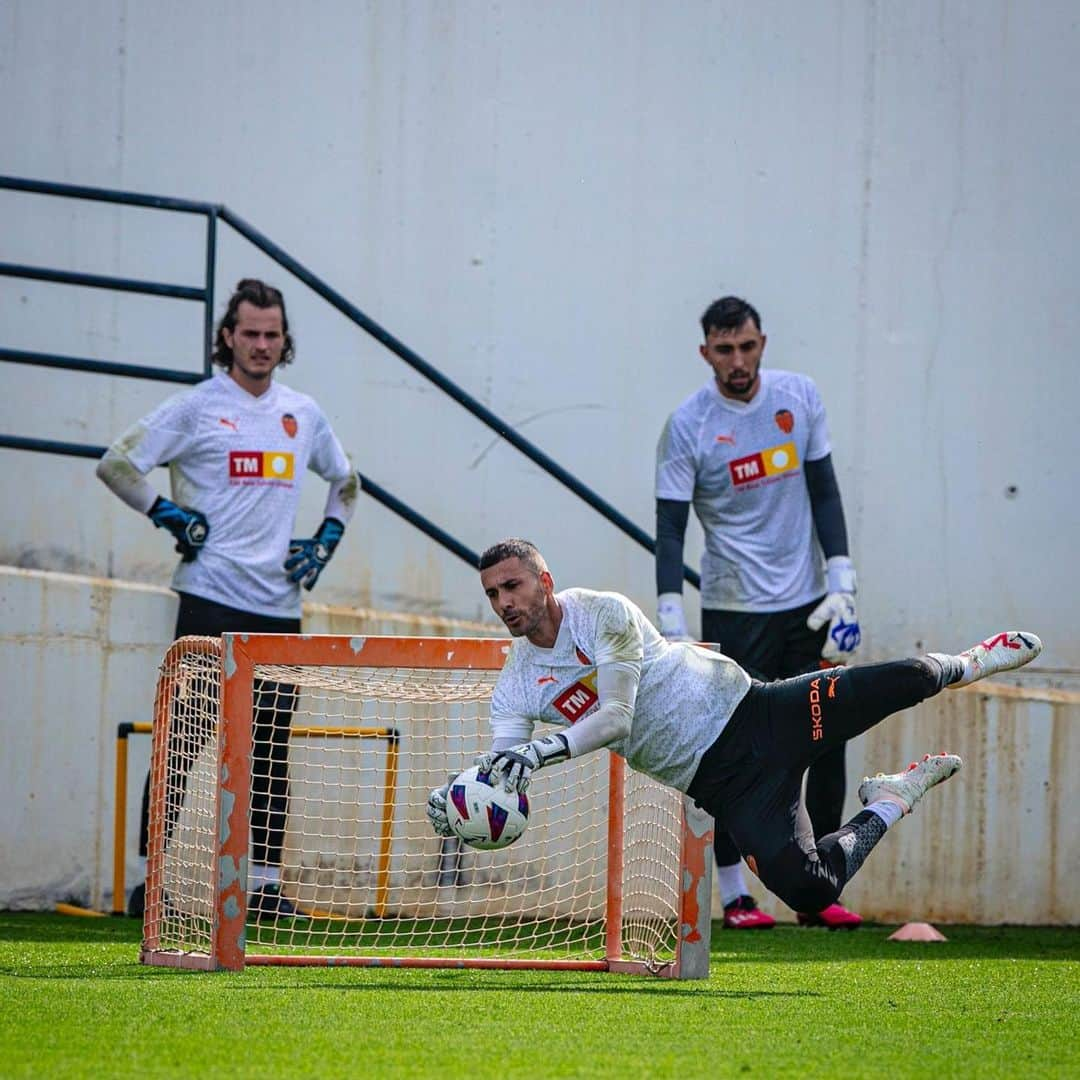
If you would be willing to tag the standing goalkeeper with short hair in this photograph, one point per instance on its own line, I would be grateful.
(237, 447)
(751, 450)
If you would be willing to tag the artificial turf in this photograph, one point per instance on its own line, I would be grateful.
(989, 1002)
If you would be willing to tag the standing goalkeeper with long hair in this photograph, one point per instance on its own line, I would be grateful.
(237, 447)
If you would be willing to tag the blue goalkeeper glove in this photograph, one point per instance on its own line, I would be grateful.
(189, 527)
(308, 557)
(514, 767)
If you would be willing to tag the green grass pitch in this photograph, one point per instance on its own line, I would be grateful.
(1000, 1002)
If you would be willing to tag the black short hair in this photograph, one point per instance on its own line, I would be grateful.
(514, 548)
(728, 313)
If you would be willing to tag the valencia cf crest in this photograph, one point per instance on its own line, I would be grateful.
(288, 422)
(785, 421)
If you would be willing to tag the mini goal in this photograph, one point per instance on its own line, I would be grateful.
(613, 873)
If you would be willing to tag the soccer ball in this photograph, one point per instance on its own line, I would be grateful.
(484, 815)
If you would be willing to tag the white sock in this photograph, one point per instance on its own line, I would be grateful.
(732, 883)
(260, 875)
(890, 812)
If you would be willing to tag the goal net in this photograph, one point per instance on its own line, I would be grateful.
(317, 753)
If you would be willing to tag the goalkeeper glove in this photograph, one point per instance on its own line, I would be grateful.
(189, 527)
(516, 765)
(838, 610)
(671, 618)
(308, 557)
(436, 810)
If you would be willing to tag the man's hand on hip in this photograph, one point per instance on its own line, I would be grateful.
(188, 527)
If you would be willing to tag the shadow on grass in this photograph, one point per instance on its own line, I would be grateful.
(367, 980)
(596, 983)
(358, 980)
(88, 970)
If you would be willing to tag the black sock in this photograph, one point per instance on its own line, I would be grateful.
(846, 849)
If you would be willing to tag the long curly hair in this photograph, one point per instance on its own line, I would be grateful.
(260, 295)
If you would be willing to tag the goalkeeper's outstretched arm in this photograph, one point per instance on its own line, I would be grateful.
(616, 686)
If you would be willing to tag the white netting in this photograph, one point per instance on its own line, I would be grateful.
(184, 796)
(358, 859)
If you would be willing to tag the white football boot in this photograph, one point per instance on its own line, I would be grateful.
(1003, 652)
(909, 786)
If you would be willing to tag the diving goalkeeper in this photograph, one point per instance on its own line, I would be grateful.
(593, 664)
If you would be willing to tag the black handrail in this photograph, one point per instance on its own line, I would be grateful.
(418, 363)
(101, 281)
(353, 313)
(100, 367)
(51, 446)
(380, 494)
(96, 194)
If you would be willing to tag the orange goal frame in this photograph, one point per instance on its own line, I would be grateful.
(238, 655)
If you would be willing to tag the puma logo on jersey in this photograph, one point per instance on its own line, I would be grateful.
(546, 679)
(727, 440)
(228, 423)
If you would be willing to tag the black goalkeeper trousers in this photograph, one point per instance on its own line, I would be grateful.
(272, 716)
(750, 779)
(777, 645)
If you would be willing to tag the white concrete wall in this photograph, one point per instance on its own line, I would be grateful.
(541, 199)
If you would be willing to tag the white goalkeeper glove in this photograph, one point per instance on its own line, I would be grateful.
(838, 610)
(516, 765)
(436, 810)
(671, 618)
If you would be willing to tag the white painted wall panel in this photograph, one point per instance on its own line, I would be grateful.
(541, 199)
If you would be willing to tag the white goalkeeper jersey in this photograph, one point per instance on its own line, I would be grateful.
(686, 693)
(239, 459)
(741, 464)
